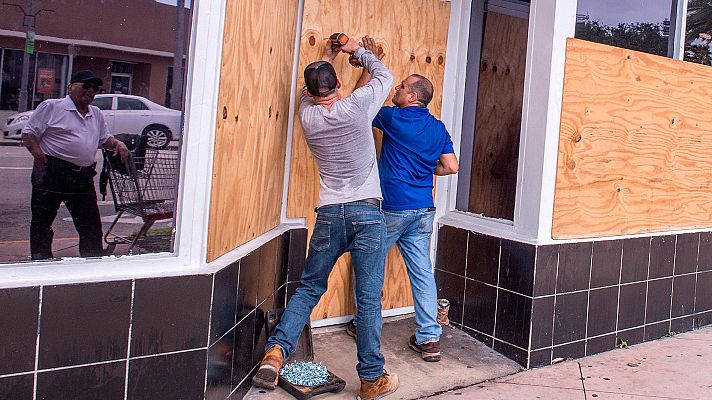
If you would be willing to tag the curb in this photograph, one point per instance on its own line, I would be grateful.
(8, 143)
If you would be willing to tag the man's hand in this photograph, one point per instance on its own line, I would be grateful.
(370, 45)
(330, 52)
(40, 160)
(350, 47)
(121, 150)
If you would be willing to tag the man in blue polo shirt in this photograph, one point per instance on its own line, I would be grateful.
(415, 146)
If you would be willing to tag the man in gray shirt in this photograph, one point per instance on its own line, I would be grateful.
(349, 216)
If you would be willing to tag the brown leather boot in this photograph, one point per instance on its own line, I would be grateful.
(381, 387)
(430, 351)
(268, 372)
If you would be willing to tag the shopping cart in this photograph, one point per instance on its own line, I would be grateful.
(143, 186)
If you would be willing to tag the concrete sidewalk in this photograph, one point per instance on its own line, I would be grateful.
(678, 367)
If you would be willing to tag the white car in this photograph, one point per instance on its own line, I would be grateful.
(123, 114)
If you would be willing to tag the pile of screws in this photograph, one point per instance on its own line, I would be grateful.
(305, 373)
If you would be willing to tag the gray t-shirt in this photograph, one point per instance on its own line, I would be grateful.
(341, 138)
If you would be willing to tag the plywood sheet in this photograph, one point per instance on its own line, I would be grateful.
(413, 34)
(635, 147)
(499, 116)
(253, 108)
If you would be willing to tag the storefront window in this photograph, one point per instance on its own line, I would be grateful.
(698, 37)
(642, 25)
(119, 207)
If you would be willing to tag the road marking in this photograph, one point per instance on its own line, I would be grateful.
(16, 168)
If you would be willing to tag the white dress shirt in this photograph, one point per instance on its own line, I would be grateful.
(64, 133)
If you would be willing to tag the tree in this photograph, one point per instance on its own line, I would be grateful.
(641, 36)
(699, 32)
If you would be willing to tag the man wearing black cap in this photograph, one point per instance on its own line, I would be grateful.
(63, 135)
(349, 217)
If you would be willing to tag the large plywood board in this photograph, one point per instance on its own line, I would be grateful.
(499, 116)
(253, 111)
(413, 34)
(635, 147)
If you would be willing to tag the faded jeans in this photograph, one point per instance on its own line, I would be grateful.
(358, 228)
(410, 230)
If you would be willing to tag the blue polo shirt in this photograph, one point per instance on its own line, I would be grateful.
(413, 141)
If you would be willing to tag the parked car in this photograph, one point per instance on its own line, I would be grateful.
(123, 114)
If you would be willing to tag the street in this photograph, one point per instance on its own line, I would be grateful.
(15, 171)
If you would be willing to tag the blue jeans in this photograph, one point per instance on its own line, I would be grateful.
(411, 231)
(358, 228)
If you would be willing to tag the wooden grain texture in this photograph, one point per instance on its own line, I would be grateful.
(413, 34)
(499, 116)
(635, 146)
(253, 108)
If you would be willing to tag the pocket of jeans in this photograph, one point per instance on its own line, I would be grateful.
(393, 221)
(425, 224)
(368, 235)
(321, 237)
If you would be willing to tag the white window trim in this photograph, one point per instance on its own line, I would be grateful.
(194, 183)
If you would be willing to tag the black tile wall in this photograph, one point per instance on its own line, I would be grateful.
(683, 324)
(631, 307)
(570, 317)
(17, 387)
(102, 381)
(630, 336)
(547, 258)
(703, 297)
(513, 317)
(291, 288)
(686, 253)
(606, 263)
(244, 345)
(636, 254)
(297, 245)
(602, 311)
(518, 355)
(170, 314)
(704, 256)
(179, 376)
(567, 300)
(248, 284)
(220, 361)
(516, 270)
(570, 350)
(656, 331)
(451, 250)
(542, 322)
(268, 276)
(18, 329)
(260, 336)
(84, 323)
(480, 306)
(662, 256)
(600, 344)
(683, 295)
(659, 299)
(483, 258)
(574, 267)
(451, 287)
(224, 311)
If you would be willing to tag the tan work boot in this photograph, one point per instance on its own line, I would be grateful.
(381, 387)
(268, 372)
(430, 351)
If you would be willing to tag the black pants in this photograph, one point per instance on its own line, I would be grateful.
(59, 182)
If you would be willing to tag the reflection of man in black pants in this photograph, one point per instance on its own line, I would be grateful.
(63, 135)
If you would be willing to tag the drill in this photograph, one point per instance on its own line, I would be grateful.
(339, 39)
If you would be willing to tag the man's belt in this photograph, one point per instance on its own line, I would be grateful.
(70, 166)
(371, 200)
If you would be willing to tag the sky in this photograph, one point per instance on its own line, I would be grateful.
(613, 12)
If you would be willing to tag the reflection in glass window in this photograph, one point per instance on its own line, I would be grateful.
(642, 25)
(73, 199)
(698, 37)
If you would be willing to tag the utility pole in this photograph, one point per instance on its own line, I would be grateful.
(177, 82)
(29, 24)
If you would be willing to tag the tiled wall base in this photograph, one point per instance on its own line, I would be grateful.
(145, 338)
(535, 304)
